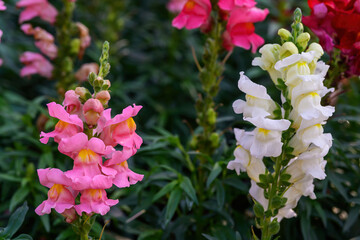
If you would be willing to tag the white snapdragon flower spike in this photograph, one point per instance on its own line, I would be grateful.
(269, 56)
(310, 163)
(311, 135)
(267, 136)
(258, 102)
(244, 162)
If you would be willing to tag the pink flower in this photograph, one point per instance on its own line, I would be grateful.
(60, 197)
(241, 28)
(2, 6)
(92, 110)
(35, 63)
(84, 71)
(37, 8)
(194, 14)
(175, 6)
(72, 103)
(103, 97)
(120, 129)
(124, 177)
(68, 125)
(88, 169)
(85, 38)
(229, 5)
(44, 40)
(94, 201)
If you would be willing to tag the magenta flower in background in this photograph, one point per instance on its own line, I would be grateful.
(35, 63)
(37, 8)
(241, 29)
(194, 14)
(175, 6)
(229, 5)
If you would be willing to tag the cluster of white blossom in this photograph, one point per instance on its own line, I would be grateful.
(302, 76)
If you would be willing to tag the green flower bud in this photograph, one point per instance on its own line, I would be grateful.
(215, 139)
(75, 46)
(288, 49)
(302, 40)
(211, 116)
(258, 210)
(285, 35)
(274, 227)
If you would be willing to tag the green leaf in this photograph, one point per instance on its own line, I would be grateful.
(213, 174)
(172, 204)
(151, 234)
(187, 186)
(353, 216)
(220, 194)
(23, 237)
(208, 237)
(165, 190)
(18, 197)
(321, 212)
(45, 219)
(9, 177)
(15, 221)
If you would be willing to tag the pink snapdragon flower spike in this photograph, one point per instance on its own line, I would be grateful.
(60, 197)
(229, 5)
(124, 177)
(35, 63)
(194, 14)
(87, 155)
(84, 71)
(92, 110)
(37, 8)
(67, 126)
(73, 104)
(241, 29)
(121, 128)
(85, 39)
(94, 201)
(43, 40)
(175, 6)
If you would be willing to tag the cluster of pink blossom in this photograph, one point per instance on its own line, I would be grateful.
(240, 17)
(36, 63)
(2, 8)
(87, 133)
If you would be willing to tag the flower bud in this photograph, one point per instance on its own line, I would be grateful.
(302, 40)
(70, 215)
(92, 110)
(83, 93)
(103, 97)
(288, 49)
(285, 35)
(211, 116)
(106, 85)
(214, 138)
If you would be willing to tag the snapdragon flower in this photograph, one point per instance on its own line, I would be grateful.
(291, 134)
(86, 133)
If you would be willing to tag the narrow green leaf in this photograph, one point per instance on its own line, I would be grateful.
(23, 237)
(353, 216)
(45, 219)
(220, 194)
(15, 221)
(172, 204)
(18, 197)
(321, 212)
(9, 177)
(213, 174)
(167, 188)
(187, 186)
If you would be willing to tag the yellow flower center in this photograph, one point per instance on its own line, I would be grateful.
(87, 156)
(61, 125)
(131, 124)
(264, 131)
(190, 5)
(55, 191)
(96, 194)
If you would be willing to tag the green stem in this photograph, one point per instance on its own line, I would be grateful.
(64, 63)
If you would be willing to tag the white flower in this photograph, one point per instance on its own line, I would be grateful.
(258, 194)
(310, 163)
(269, 56)
(310, 135)
(267, 136)
(258, 102)
(294, 66)
(308, 106)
